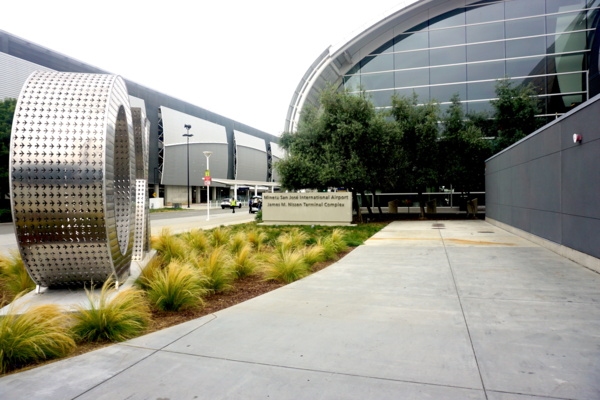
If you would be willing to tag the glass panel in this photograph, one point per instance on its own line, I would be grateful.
(565, 22)
(525, 27)
(455, 73)
(412, 59)
(413, 41)
(450, 55)
(422, 93)
(480, 107)
(447, 37)
(567, 63)
(481, 90)
(567, 83)
(485, 51)
(525, 47)
(566, 42)
(517, 9)
(352, 82)
(382, 98)
(386, 48)
(382, 62)
(412, 77)
(377, 81)
(451, 18)
(553, 6)
(445, 92)
(488, 70)
(485, 32)
(490, 12)
(525, 66)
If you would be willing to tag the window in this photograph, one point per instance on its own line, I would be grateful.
(447, 37)
(525, 27)
(485, 51)
(412, 59)
(445, 92)
(525, 66)
(412, 77)
(485, 32)
(487, 13)
(449, 55)
(412, 41)
(488, 70)
(525, 47)
(377, 81)
(450, 74)
(382, 62)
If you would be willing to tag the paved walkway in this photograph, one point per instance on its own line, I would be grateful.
(424, 310)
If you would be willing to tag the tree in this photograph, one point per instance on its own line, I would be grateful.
(515, 110)
(7, 110)
(343, 143)
(463, 150)
(418, 125)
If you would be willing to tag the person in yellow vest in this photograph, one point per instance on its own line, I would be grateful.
(233, 205)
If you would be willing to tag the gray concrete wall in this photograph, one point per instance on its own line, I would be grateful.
(548, 186)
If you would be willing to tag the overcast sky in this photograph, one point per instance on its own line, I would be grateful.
(241, 59)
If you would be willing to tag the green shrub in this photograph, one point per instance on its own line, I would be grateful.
(196, 240)
(176, 288)
(286, 267)
(37, 334)
(216, 269)
(244, 263)
(258, 217)
(14, 275)
(124, 316)
(170, 247)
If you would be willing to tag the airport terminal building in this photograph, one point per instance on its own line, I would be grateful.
(436, 48)
(242, 157)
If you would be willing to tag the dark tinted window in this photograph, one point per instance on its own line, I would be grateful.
(449, 55)
(488, 70)
(525, 47)
(525, 66)
(454, 73)
(525, 27)
(490, 12)
(412, 59)
(377, 81)
(525, 8)
(485, 51)
(412, 77)
(447, 37)
(382, 62)
(445, 92)
(413, 41)
(485, 32)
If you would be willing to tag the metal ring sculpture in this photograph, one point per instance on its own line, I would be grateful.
(72, 173)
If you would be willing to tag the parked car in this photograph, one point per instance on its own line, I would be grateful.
(255, 204)
(226, 203)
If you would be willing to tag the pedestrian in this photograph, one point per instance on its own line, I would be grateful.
(233, 205)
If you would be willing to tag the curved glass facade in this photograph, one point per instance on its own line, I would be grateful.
(544, 42)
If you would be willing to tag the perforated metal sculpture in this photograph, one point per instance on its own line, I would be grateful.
(73, 177)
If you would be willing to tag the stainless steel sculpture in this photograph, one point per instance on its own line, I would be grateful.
(73, 177)
(141, 131)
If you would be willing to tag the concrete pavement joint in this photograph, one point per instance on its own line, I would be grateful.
(462, 310)
(324, 371)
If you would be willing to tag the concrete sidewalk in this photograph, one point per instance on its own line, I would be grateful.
(424, 310)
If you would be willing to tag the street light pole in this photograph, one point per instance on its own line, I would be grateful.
(188, 135)
(207, 154)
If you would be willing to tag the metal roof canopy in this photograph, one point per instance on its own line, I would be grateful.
(236, 183)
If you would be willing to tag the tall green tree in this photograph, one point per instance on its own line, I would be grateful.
(344, 142)
(7, 110)
(463, 150)
(418, 125)
(515, 109)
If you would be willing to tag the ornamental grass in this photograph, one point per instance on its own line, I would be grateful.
(220, 236)
(314, 254)
(287, 266)
(216, 269)
(38, 334)
(170, 246)
(243, 262)
(14, 275)
(124, 316)
(196, 240)
(177, 287)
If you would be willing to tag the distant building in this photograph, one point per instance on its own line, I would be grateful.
(242, 155)
(436, 48)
